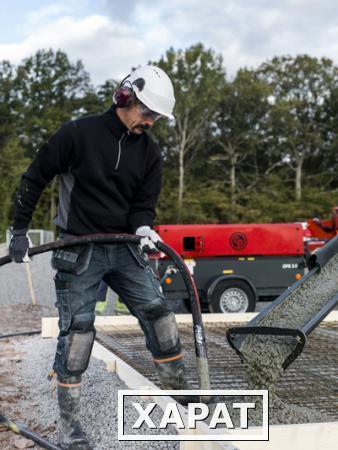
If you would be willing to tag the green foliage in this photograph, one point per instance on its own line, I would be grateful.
(240, 127)
(12, 164)
(260, 148)
(300, 119)
(7, 101)
(51, 90)
(198, 77)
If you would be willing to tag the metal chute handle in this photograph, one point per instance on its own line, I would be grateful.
(235, 339)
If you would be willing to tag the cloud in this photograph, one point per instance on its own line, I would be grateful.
(46, 13)
(112, 36)
(107, 48)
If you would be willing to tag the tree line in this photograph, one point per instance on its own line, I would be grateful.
(258, 147)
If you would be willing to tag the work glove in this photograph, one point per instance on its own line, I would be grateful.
(150, 237)
(19, 245)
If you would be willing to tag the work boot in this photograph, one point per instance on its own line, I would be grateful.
(71, 435)
(172, 376)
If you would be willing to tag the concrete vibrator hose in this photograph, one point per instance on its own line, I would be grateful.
(110, 238)
(19, 429)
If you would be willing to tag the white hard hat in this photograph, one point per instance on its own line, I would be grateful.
(153, 88)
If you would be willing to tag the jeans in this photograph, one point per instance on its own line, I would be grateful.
(126, 270)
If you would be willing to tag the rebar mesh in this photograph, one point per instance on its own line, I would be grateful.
(311, 381)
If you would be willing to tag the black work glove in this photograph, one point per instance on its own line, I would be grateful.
(19, 245)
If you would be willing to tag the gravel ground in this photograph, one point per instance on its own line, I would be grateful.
(29, 398)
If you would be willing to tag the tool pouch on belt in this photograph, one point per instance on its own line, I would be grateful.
(72, 259)
(141, 257)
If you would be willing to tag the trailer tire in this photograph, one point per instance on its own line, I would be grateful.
(232, 296)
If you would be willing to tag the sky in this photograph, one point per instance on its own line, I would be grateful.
(111, 36)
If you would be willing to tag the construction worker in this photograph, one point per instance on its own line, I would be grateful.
(110, 180)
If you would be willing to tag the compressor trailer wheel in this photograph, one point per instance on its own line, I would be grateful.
(232, 296)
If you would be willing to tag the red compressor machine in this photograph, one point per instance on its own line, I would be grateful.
(233, 265)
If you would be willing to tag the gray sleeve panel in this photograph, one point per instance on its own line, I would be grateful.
(65, 191)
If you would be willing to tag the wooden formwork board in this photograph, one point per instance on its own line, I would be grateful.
(50, 324)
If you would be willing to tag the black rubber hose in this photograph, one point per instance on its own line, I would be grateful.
(19, 429)
(198, 328)
(20, 333)
(78, 240)
(199, 333)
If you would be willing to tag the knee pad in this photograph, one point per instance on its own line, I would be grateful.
(73, 353)
(166, 331)
(154, 310)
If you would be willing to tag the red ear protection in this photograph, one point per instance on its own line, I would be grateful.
(124, 94)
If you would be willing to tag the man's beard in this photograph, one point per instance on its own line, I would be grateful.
(138, 127)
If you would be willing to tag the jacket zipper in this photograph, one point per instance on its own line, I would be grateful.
(120, 149)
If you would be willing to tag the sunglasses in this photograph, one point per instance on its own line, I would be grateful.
(147, 113)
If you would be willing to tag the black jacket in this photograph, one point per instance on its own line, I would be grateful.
(110, 179)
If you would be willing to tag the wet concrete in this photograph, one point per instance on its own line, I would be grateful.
(307, 300)
(264, 355)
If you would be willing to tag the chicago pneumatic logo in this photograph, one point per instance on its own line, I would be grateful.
(238, 241)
